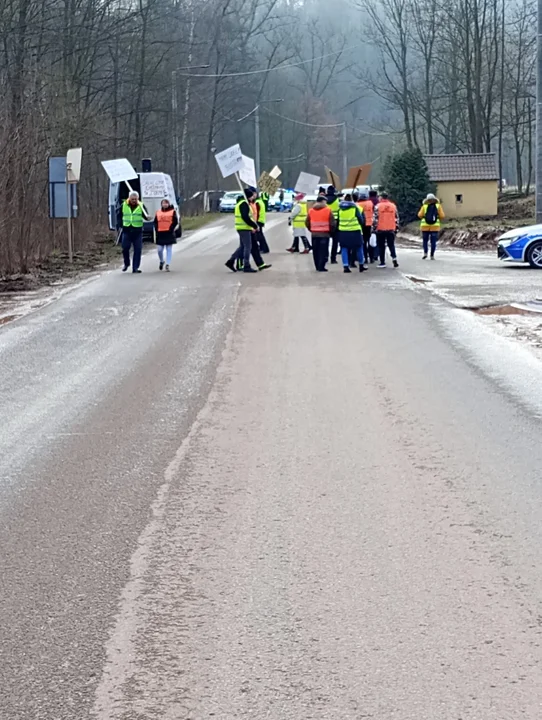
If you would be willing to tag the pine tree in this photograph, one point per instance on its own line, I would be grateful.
(406, 179)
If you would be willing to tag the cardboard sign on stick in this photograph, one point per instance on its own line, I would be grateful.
(248, 171)
(358, 175)
(268, 184)
(333, 179)
(230, 161)
(119, 170)
(307, 183)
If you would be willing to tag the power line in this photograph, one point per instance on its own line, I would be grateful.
(299, 122)
(268, 70)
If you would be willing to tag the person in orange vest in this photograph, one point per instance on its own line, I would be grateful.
(386, 225)
(168, 228)
(367, 206)
(321, 224)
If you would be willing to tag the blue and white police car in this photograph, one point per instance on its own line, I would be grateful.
(522, 245)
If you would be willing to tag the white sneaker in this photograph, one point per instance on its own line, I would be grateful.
(381, 265)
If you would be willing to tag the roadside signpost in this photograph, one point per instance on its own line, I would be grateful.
(73, 174)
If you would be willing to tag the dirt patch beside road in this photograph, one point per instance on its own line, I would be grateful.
(56, 268)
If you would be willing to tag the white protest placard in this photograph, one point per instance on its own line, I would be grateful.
(307, 183)
(248, 172)
(152, 185)
(275, 172)
(230, 160)
(119, 170)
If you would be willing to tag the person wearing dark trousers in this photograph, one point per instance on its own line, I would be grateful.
(322, 224)
(255, 247)
(262, 214)
(431, 214)
(386, 224)
(130, 218)
(350, 223)
(333, 201)
(246, 226)
(367, 207)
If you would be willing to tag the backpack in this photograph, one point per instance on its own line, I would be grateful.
(431, 214)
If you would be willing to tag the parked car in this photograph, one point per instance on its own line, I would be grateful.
(522, 245)
(287, 201)
(229, 201)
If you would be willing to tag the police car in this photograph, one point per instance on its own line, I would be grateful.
(522, 245)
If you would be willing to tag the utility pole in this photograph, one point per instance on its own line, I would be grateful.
(175, 128)
(256, 112)
(539, 118)
(257, 140)
(345, 151)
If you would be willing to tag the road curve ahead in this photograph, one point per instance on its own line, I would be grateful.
(288, 496)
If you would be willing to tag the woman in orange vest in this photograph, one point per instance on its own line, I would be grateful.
(168, 228)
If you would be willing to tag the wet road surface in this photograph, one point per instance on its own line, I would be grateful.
(278, 496)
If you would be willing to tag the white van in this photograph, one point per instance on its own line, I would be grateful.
(152, 187)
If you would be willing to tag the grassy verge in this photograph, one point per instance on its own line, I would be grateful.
(198, 221)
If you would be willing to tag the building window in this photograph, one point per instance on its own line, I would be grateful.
(459, 199)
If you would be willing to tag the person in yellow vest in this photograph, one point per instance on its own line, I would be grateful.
(262, 202)
(333, 200)
(350, 221)
(167, 227)
(246, 225)
(130, 219)
(431, 213)
(298, 217)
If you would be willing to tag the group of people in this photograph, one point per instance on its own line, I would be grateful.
(348, 221)
(130, 221)
(362, 226)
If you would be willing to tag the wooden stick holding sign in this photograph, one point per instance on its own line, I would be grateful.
(243, 193)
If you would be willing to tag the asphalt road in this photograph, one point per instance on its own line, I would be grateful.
(285, 496)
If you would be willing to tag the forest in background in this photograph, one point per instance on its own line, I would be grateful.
(455, 76)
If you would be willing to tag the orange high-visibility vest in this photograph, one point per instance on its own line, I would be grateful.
(255, 211)
(320, 220)
(386, 216)
(165, 219)
(369, 210)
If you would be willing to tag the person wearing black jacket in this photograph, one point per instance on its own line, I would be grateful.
(246, 225)
(167, 228)
(333, 200)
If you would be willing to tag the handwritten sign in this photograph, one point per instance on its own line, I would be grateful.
(152, 185)
(119, 170)
(307, 183)
(248, 171)
(268, 184)
(230, 160)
